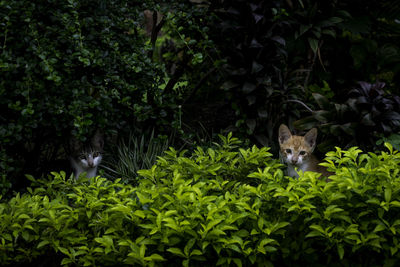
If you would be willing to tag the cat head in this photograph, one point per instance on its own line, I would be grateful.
(294, 149)
(87, 155)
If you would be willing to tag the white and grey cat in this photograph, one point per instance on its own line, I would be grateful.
(86, 157)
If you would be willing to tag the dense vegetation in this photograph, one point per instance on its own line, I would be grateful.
(225, 205)
(191, 70)
(153, 74)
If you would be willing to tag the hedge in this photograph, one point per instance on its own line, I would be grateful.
(224, 205)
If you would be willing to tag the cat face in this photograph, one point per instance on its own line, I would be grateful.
(294, 149)
(85, 157)
(90, 158)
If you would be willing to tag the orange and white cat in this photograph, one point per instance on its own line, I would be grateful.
(296, 152)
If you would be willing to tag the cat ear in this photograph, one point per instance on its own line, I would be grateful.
(74, 144)
(284, 133)
(98, 140)
(311, 138)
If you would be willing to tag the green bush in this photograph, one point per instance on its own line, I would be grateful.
(221, 206)
(70, 68)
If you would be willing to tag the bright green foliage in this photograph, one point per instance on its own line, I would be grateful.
(225, 205)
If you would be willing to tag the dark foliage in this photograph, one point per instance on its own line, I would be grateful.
(368, 113)
(278, 51)
(273, 51)
(68, 69)
(249, 34)
(203, 66)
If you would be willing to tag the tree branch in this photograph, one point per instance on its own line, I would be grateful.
(154, 32)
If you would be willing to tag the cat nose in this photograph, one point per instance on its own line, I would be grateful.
(294, 160)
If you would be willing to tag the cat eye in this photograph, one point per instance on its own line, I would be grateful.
(82, 157)
(289, 151)
(96, 154)
(302, 153)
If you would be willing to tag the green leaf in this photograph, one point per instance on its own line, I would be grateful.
(266, 241)
(25, 235)
(99, 250)
(395, 203)
(139, 213)
(43, 243)
(379, 228)
(317, 228)
(389, 147)
(154, 257)
(64, 251)
(216, 232)
(23, 216)
(121, 208)
(142, 251)
(323, 102)
(106, 241)
(314, 233)
(335, 20)
(329, 32)
(388, 194)
(196, 252)
(238, 262)
(171, 224)
(305, 123)
(340, 251)
(313, 44)
(66, 261)
(303, 28)
(177, 251)
(189, 246)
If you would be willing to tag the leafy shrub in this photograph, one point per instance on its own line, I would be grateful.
(221, 206)
(70, 68)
